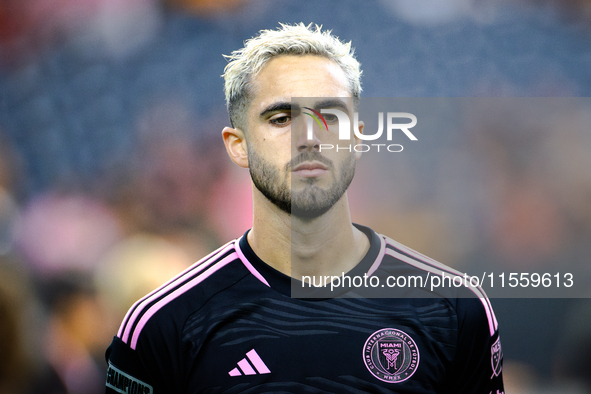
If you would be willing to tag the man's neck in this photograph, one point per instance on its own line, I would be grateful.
(326, 245)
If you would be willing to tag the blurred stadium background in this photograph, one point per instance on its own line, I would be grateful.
(113, 175)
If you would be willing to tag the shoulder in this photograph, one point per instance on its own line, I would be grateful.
(166, 308)
(426, 277)
(478, 358)
(148, 348)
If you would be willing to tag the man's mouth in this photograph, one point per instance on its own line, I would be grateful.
(310, 169)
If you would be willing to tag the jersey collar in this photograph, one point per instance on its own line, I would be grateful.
(283, 283)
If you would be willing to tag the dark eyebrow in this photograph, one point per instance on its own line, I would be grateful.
(332, 103)
(280, 106)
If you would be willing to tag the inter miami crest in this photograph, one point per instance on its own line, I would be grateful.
(391, 355)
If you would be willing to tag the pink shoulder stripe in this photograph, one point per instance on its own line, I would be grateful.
(420, 256)
(181, 290)
(376, 264)
(491, 322)
(444, 267)
(247, 263)
(140, 305)
(437, 264)
(436, 268)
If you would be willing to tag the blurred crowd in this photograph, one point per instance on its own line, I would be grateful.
(113, 176)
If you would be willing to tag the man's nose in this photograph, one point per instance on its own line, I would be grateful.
(305, 144)
(307, 137)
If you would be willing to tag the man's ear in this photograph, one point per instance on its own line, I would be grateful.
(235, 142)
(359, 140)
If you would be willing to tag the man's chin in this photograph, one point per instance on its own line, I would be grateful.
(308, 214)
(310, 209)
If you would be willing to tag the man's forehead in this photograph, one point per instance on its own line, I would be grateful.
(343, 103)
(288, 76)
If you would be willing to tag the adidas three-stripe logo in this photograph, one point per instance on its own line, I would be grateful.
(246, 368)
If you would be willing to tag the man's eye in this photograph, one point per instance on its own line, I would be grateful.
(281, 120)
(330, 118)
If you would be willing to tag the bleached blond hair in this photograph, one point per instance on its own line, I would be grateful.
(297, 39)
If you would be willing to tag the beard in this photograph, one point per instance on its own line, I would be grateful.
(310, 202)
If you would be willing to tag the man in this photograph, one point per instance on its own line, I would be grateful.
(229, 324)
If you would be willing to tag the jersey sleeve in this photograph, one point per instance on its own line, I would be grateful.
(126, 371)
(478, 363)
(151, 368)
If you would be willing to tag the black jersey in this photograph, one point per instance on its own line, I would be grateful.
(229, 325)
